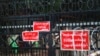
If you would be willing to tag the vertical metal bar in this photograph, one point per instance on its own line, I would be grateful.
(22, 51)
(45, 52)
(25, 52)
(28, 51)
(31, 51)
(39, 52)
(0, 51)
(62, 53)
(59, 52)
(8, 52)
(36, 52)
(42, 53)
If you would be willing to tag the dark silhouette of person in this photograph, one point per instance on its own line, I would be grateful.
(50, 45)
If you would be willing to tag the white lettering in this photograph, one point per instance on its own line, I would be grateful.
(74, 34)
(41, 27)
(41, 23)
(79, 39)
(68, 45)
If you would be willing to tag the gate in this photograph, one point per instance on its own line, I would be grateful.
(18, 15)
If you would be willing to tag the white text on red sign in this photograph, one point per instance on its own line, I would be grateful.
(75, 40)
(41, 26)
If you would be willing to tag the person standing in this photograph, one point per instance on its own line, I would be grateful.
(50, 45)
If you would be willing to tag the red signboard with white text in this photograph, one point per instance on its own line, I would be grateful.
(41, 26)
(74, 40)
(30, 36)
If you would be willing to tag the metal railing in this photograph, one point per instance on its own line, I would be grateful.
(18, 15)
(28, 52)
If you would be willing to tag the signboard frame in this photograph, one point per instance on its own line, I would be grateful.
(38, 26)
(74, 49)
(23, 38)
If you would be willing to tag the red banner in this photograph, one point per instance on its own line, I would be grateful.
(74, 40)
(30, 36)
(41, 26)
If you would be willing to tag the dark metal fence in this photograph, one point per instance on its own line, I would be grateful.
(30, 52)
(19, 15)
(23, 52)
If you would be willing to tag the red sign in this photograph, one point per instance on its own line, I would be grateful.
(74, 40)
(30, 36)
(41, 26)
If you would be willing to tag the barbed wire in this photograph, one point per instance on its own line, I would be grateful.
(26, 7)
